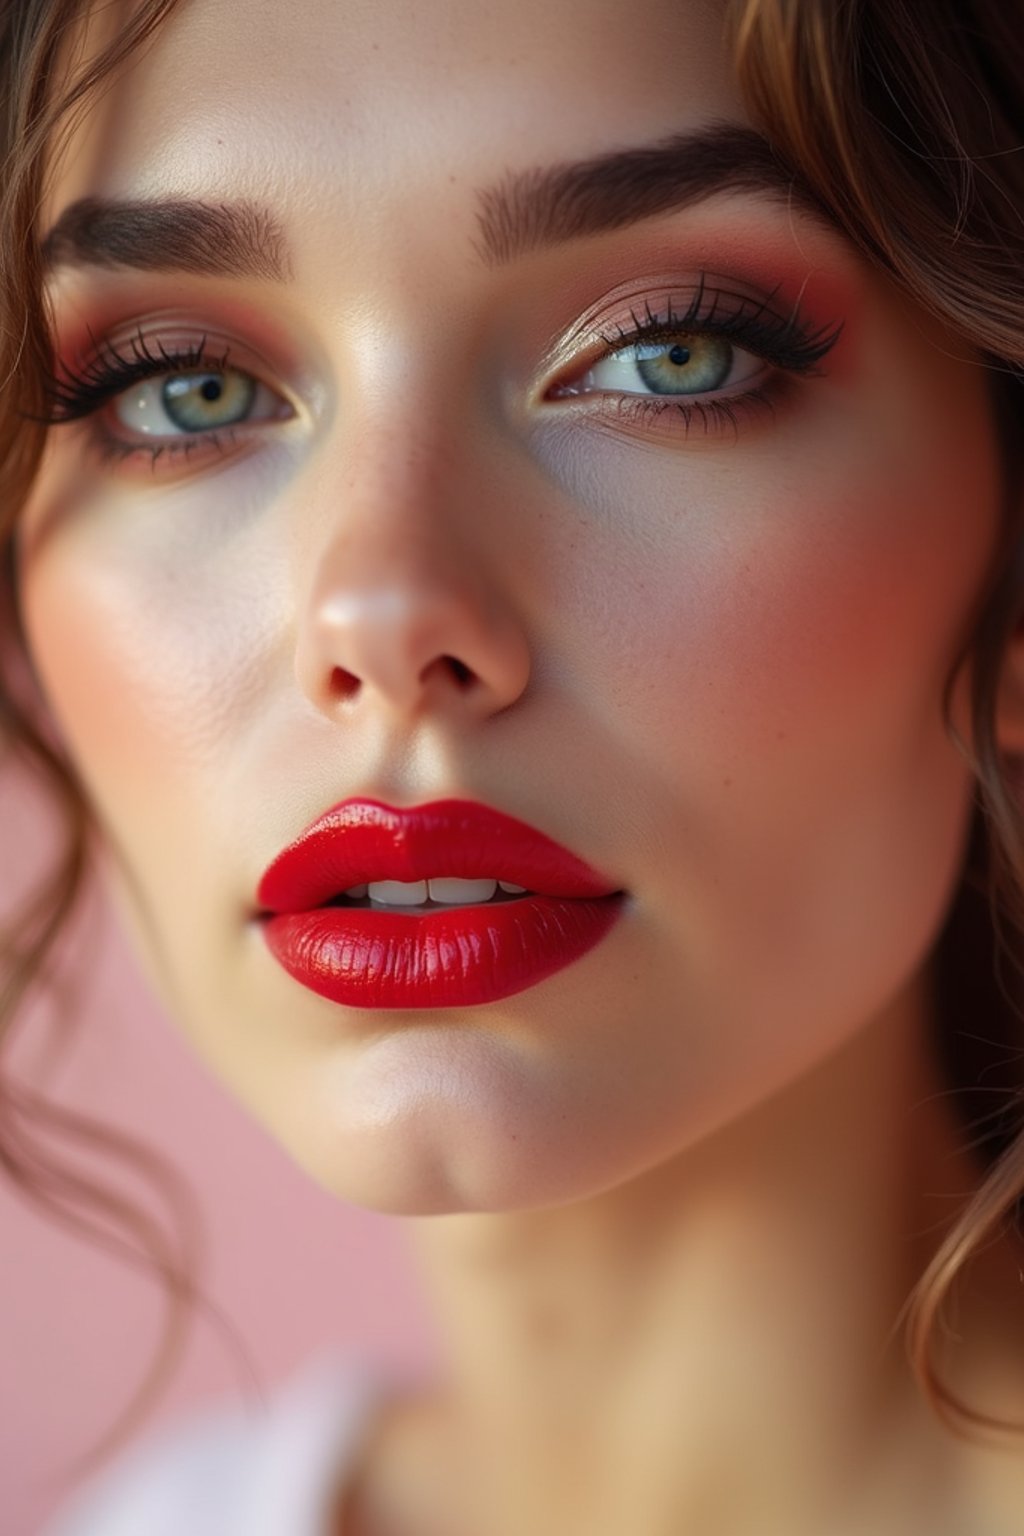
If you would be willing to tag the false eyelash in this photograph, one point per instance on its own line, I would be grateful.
(78, 393)
(783, 340)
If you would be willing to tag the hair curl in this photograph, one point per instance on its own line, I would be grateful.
(35, 1134)
(909, 125)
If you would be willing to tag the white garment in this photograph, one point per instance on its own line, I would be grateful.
(239, 1471)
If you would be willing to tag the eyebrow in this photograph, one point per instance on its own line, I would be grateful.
(218, 239)
(523, 212)
(531, 209)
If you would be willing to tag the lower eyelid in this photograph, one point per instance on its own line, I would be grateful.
(151, 451)
(680, 420)
(156, 457)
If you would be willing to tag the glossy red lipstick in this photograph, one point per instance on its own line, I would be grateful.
(369, 956)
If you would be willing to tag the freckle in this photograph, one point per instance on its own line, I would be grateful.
(727, 783)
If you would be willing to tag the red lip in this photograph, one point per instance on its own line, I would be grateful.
(438, 957)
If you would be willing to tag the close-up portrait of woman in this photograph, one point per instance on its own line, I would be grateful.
(512, 587)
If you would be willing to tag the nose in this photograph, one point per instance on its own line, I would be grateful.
(405, 612)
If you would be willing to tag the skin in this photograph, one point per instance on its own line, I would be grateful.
(670, 1200)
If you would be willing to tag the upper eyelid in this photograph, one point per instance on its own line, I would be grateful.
(730, 297)
(119, 363)
(793, 327)
(301, 384)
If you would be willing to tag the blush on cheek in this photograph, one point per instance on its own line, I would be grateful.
(82, 677)
(82, 649)
(151, 627)
(792, 584)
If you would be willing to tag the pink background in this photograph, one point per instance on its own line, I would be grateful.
(294, 1270)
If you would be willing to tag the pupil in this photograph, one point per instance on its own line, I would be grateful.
(211, 389)
(679, 354)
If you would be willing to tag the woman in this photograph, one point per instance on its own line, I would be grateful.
(572, 450)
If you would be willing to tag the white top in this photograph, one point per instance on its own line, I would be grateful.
(239, 1471)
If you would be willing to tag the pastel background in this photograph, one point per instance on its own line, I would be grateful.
(295, 1271)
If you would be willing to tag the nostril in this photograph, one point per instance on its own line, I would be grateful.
(343, 684)
(463, 674)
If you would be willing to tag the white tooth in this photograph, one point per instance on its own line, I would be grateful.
(398, 893)
(513, 890)
(447, 888)
(356, 890)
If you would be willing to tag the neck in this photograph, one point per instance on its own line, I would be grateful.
(714, 1345)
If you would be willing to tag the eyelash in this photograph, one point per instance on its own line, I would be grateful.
(786, 342)
(76, 395)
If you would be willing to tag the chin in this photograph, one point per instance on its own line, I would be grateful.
(406, 1174)
(438, 1120)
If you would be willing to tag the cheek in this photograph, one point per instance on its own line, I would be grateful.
(152, 653)
(769, 631)
(795, 597)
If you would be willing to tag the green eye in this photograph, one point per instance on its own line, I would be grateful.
(684, 366)
(201, 401)
(681, 363)
(207, 400)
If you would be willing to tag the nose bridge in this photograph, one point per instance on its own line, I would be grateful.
(402, 607)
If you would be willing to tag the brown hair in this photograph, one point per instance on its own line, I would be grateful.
(36, 1135)
(908, 123)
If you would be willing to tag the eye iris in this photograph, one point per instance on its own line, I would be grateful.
(198, 401)
(689, 366)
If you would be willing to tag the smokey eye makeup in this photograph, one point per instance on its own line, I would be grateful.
(698, 357)
(161, 397)
(706, 357)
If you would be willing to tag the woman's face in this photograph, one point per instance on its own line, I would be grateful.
(704, 595)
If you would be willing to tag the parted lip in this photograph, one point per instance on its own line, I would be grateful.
(361, 840)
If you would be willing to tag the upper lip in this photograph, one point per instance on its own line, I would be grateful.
(360, 840)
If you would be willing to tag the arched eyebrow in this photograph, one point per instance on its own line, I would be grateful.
(524, 211)
(531, 209)
(174, 235)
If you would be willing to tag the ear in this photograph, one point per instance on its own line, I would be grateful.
(1010, 696)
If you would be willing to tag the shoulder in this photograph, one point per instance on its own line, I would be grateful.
(264, 1470)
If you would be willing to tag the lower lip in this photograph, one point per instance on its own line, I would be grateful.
(369, 958)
